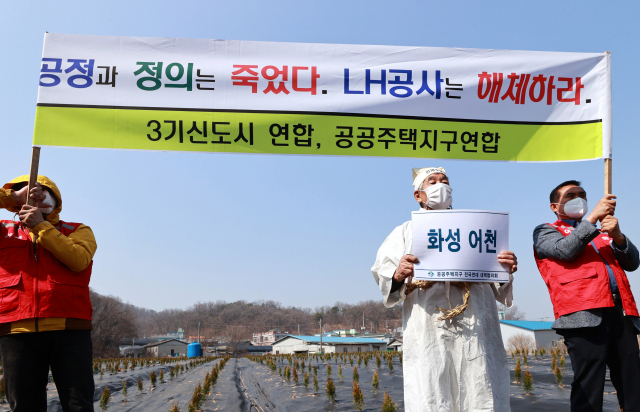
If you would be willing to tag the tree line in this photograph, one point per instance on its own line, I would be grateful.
(220, 321)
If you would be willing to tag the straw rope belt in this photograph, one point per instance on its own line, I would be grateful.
(447, 314)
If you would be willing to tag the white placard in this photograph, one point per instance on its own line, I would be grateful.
(460, 245)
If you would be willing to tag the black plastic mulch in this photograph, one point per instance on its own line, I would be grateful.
(247, 386)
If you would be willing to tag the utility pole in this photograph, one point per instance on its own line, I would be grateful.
(298, 330)
(386, 324)
(363, 327)
(320, 335)
(198, 331)
(371, 330)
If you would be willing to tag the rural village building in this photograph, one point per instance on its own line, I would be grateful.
(127, 343)
(340, 332)
(172, 347)
(195, 338)
(541, 332)
(395, 345)
(259, 350)
(387, 337)
(311, 344)
(269, 337)
(179, 334)
(234, 347)
(134, 351)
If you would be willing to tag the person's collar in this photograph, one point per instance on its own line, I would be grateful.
(571, 222)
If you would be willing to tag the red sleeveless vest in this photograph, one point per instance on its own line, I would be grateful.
(584, 283)
(34, 283)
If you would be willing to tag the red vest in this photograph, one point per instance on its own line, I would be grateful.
(584, 283)
(34, 283)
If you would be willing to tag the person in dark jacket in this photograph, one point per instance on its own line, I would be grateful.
(584, 269)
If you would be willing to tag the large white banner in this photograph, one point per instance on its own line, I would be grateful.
(460, 245)
(300, 98)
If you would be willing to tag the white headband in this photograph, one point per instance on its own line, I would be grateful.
(420, 175)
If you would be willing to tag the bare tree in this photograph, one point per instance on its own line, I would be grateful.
(520, 341)
(112, 321)
(512, 313)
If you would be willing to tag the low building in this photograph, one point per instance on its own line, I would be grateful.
(340, 332)
(258, 350)
(312, 344)
(395, 345)
(540, 332)
(387, 337)
(172, 347)
(129, 342)
(269, 337)
(234, 347)
(134, 351)
(195, 338)
(179, 334)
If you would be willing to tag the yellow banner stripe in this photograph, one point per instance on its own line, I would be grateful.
(314, 134)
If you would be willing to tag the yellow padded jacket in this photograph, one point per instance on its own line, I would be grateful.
(75, 251)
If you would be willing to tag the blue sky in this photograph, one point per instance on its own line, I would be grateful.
(177, 228)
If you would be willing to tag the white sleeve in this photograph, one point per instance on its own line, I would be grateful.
(504, 293)
(387, 261)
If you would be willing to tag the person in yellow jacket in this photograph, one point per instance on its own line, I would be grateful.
(45, 310)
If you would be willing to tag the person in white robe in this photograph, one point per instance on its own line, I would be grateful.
(457, 364)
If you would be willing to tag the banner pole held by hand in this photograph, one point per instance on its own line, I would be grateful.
(33, 174)
(607, 177)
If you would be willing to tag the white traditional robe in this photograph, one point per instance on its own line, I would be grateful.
(457, 365)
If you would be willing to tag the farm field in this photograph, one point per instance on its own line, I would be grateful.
(248, 384)
(547, 395)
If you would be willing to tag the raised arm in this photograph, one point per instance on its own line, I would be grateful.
(625, 251)
(13, 200)
(75, 251)
(550, 243)
(8, 199)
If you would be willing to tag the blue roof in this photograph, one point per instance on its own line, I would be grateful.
(529, 324)
(332, 339)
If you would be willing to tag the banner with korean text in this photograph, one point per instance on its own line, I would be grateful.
(322, 99)
(460, 245)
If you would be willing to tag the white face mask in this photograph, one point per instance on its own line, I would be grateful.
(49, 200)
(438, 196)
(575, 208)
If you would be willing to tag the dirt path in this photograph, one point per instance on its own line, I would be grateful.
(267, 391)
(225, 395)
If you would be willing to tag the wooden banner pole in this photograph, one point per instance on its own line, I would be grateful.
(607, 176)
(33, 174)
